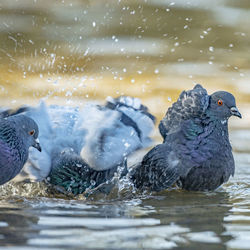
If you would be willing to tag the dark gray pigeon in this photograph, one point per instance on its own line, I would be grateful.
(17, 134)
(196, 153)
(191, 103)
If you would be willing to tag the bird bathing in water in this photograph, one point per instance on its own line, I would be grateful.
(17, 134)
(196, 153)
(83, 147)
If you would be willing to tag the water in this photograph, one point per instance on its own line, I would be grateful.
(70, 52)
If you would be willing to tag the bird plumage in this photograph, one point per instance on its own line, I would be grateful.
(196, 153)
(191, 103)
(17, 134)
(115, 130)
(89, 142)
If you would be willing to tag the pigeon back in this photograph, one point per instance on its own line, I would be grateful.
(190, 104)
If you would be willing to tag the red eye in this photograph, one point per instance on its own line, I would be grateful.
(219, 102)
(32, 132)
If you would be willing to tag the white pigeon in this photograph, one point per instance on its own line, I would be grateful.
(103, 136)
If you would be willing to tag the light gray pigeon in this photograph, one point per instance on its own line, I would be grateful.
(196, 153)
(86, 144)
(17, 134)
(114, 131)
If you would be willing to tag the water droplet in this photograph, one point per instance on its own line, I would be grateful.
(211, 48)
(68, 93)
(92, 182)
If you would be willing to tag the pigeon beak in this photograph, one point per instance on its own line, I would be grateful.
(235, 112)
(37, 145)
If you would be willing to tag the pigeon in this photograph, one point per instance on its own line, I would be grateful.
(17, 134)
(196, 154)
(71, 174)
(114, 131)
(86, 145)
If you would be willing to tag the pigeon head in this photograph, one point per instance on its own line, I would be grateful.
(222, 106)
(28, 130)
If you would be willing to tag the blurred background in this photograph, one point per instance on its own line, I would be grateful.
(72, 51)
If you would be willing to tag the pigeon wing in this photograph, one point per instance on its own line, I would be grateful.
(10, 162)
(156, 171)
(115, 131)
(190, 104)
(166, 163)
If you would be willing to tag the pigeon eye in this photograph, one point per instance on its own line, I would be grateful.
(32, 132)
(219, 102)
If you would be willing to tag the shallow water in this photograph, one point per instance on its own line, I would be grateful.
(70, 52)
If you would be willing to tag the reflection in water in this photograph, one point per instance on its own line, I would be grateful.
(170, 219)
(202, 213)
(181, 219)
(70, 51)
(16, 225)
